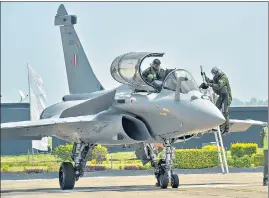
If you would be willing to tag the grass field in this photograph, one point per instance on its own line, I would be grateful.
(47, 157)
(51, 162)
(35, 157)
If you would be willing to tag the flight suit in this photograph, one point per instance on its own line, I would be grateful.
(220, 85)
(264, 142)
(151, 74)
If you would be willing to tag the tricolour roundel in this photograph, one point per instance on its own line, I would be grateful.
(132, 100)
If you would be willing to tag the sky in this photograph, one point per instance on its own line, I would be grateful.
(233, 36)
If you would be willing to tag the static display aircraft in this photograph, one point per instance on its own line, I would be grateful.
(137, 114)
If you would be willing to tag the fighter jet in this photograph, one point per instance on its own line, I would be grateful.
(137, 114)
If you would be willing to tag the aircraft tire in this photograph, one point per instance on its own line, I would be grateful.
(157, 184)
(67, 176)
(174, 181)
(163, 181)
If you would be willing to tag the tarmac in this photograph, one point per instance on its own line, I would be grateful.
(116, 173)
(234, 185)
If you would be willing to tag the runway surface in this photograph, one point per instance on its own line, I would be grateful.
(234, 185)
(116, 173)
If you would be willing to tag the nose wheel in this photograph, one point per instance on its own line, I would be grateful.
(163, 170)
(174, 181)
(163, 178)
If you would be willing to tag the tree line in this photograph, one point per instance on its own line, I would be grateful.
(251, 102)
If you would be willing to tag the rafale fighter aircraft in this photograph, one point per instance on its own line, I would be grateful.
(137, 114)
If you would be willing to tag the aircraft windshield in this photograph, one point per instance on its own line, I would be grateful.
(186, 86)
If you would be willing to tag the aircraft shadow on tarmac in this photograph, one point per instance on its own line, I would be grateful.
(109, 188)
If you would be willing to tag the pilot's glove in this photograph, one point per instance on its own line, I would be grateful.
(203, 86)
(207, 79)
(150, 76)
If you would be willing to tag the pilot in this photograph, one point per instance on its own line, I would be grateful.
(220, 85)
(154, 72)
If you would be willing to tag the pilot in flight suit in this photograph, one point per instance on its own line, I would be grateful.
(154, 72)
(220, 85)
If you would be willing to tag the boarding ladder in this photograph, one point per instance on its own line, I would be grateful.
(217, 133)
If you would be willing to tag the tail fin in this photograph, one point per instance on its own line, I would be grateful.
(81, 78)
(38, 102)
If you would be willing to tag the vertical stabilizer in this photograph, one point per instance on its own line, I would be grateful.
(80, 76)
(38, 102)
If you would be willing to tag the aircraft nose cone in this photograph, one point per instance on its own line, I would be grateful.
(208, 116)
(213, 116)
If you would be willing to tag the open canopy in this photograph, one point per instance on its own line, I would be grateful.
(126, 69)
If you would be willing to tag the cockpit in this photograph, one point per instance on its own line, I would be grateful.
(171, 80)
(126, 69)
